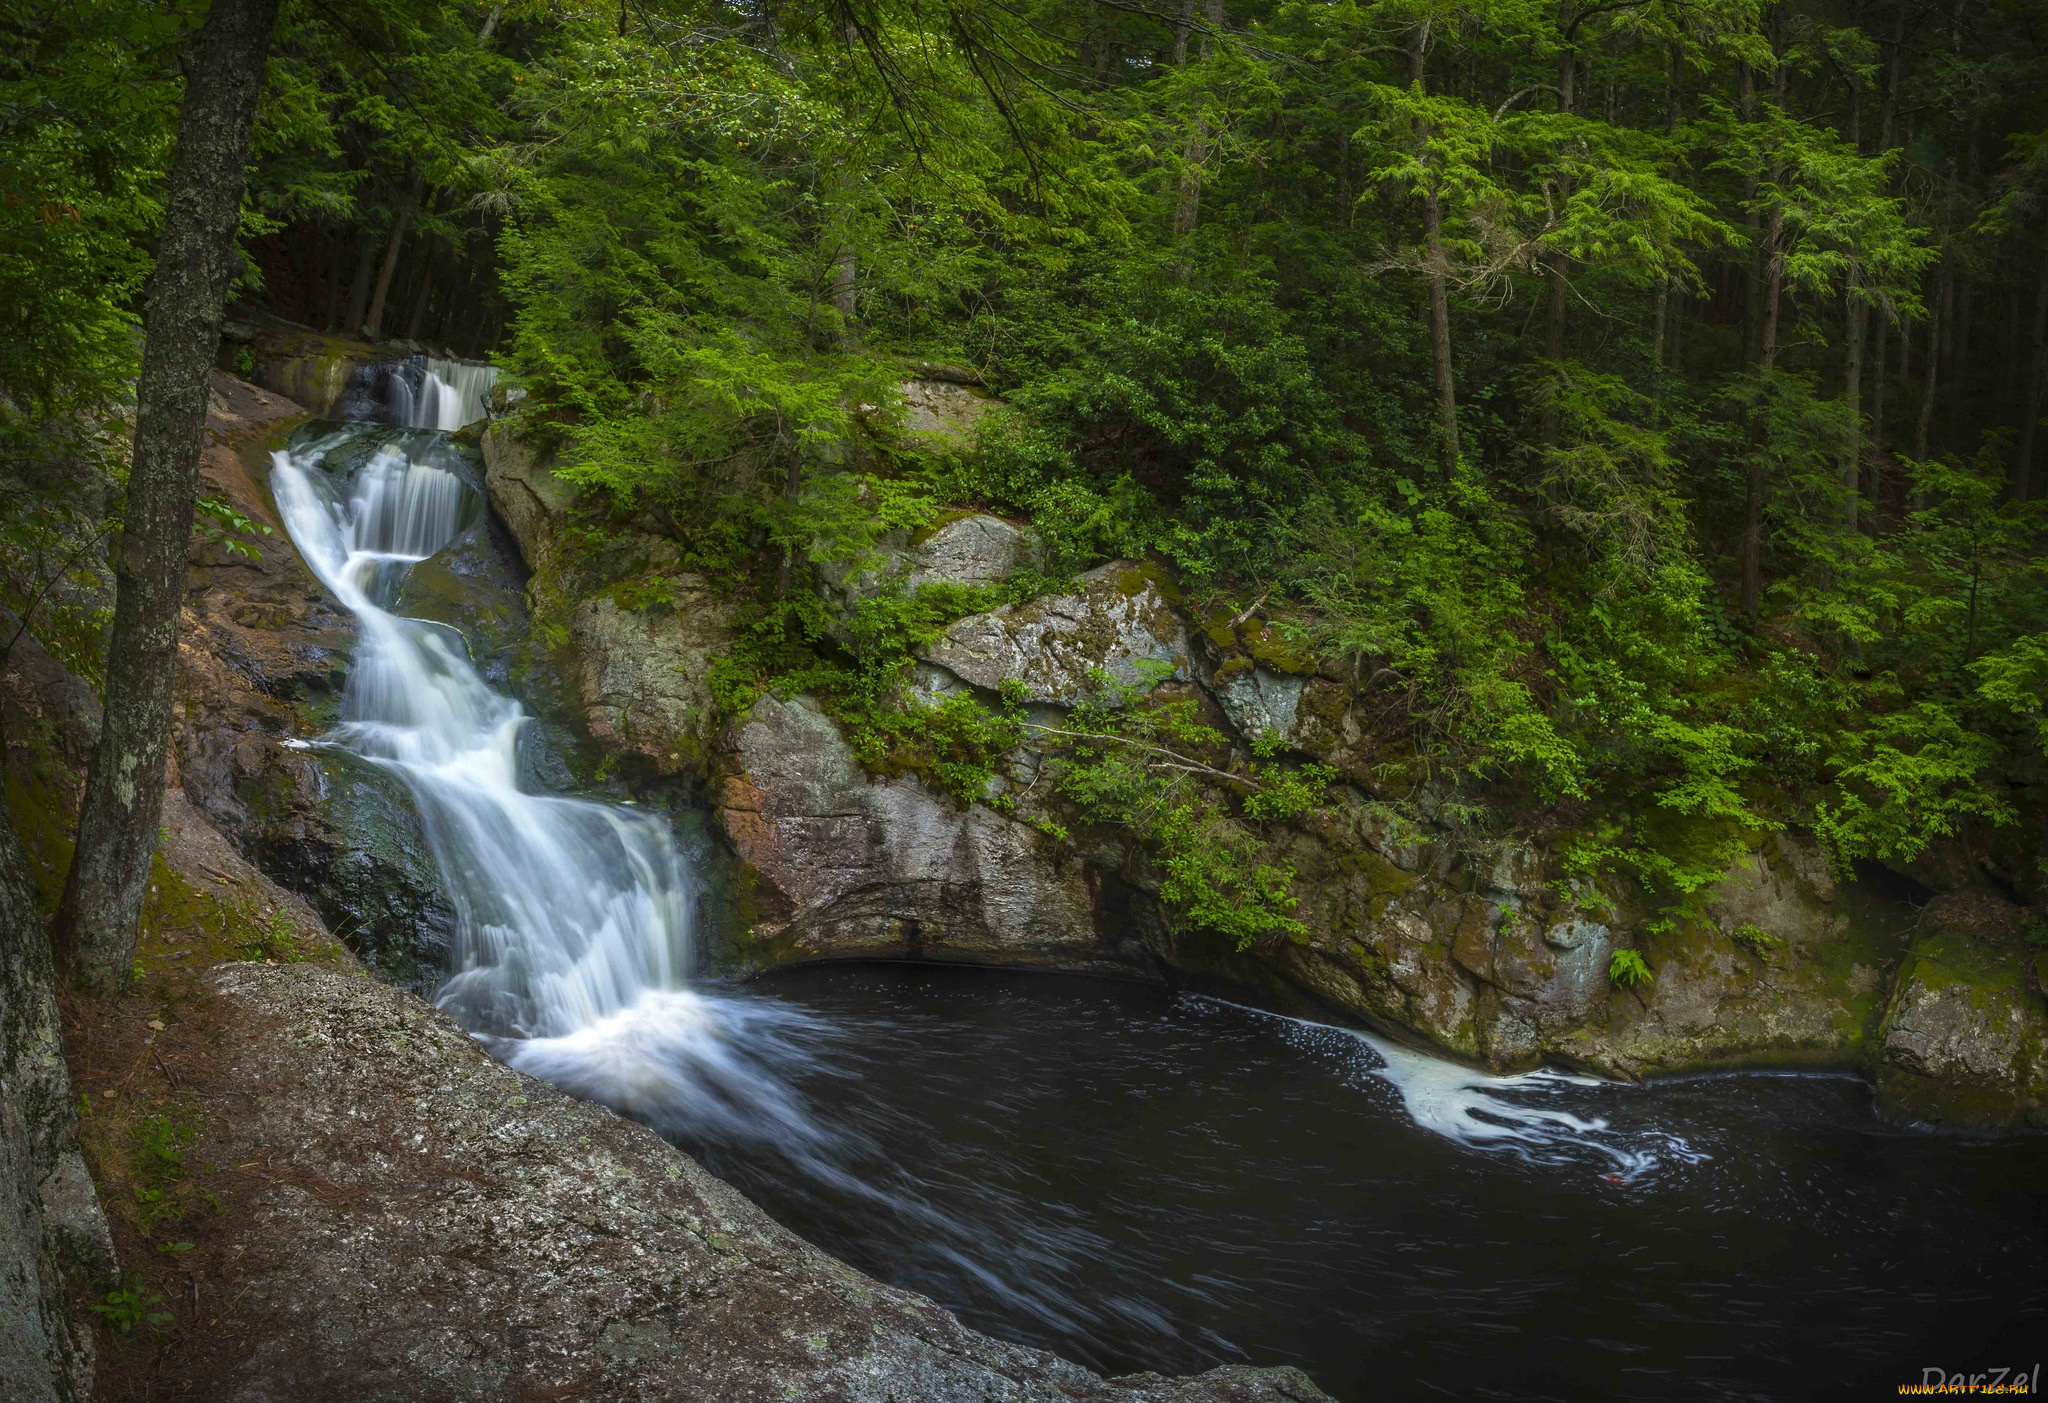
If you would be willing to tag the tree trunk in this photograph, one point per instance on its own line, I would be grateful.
(195, 261)
(2037, 378)
(419, 303)
(1437, 275)
(1440, 334)
(1767, 357)
(359, 287)
(1852, 395)
(1181, 30)
(374, 324)
(1937, 315)
(1188, 202)
(1873, 483)
(1555, 272)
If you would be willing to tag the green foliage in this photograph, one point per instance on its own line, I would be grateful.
(1755, 939)
(160, 1176)
(1626, 970)
(219, 522)
(130, 1306)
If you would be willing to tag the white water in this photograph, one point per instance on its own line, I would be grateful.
(573, 917)
(1483, 1110)
(453, 395)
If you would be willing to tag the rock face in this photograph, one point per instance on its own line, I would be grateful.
(414, 1220)
(50, 1219)
(848, 865)
(944, 409)
(1965, 1038)
(640, 632)
(1118, 620)
(262, 659)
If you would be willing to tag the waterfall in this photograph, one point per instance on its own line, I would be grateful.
(456, 393)
(420, 392)
(573, 917)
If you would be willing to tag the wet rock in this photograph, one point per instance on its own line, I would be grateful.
(848, 864)
(1118, 619)
(429, 1223)
(1964, 1039)
(1261, 702)
(263, 656)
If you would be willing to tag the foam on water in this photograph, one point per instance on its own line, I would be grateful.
(1525, 1113)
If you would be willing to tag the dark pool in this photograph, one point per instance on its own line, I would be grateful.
(1141, 1179)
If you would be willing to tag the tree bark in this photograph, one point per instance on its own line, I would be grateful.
(1181, 31)
(1852, 394)
(359, 287)
(195, 262)
(1937, 315)
(1437, 276)
(374, 325)
(1188, 202)
(1555, 271)
(1767, 357)
(2037, 379)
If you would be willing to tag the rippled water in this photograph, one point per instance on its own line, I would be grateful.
(1140, 1179)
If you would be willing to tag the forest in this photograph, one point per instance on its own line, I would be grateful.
(1643, 397)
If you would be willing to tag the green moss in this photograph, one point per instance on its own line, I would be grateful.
(1131, 582)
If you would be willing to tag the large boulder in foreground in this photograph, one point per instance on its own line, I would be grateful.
(413, 1220)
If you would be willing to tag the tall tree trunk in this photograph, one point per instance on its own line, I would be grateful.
(2037, 379)
(1437, 275)
(1556, 275)
(1663, 306)
(1188, 202)
(418, 318)
(195, 260)
(1853, 312)
(359, 286)
(1937, 315)
(1873, 478)
(1181, 30)
(1767, 358)
(373, 326)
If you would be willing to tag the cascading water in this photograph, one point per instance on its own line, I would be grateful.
(573, 917)
(420, 392)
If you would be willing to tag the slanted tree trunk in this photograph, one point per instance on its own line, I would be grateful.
(373, 326)
(359, 286)
(195, 260)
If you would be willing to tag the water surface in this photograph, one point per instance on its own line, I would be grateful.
(1140, 1179)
